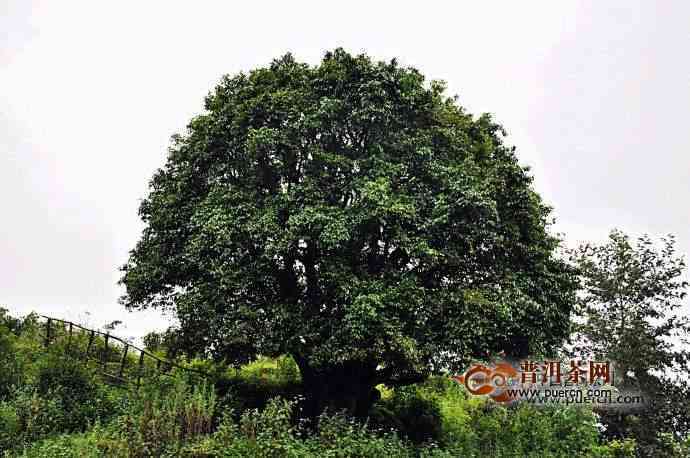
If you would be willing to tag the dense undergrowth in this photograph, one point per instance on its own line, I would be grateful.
(54, 404)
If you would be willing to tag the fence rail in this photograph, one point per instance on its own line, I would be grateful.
(56, 328)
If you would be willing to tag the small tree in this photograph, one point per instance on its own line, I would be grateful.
(628, 313)
(354, 217)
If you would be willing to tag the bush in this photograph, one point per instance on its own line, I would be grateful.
(474, 426)
(12, 373)
(9, 426)
(28, 417)
(255, 384)
(68, 446)
(270, 433)
(413, 416)
(59, 394)
(167, 413)
(77, 388)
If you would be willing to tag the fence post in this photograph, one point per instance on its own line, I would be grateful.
(88, 347)
(124, 360)
(141, 368)
(69, 339)
(48, 332)
(105, 351)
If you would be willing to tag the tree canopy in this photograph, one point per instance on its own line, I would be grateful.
(352, 215)
(628, 311)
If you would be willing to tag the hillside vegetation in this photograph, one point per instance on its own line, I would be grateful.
(54, 403)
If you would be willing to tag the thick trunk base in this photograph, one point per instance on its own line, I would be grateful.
(347, 387)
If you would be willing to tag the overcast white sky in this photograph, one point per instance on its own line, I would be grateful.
(595, 95)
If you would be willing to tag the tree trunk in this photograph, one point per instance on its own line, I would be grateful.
(348, 387)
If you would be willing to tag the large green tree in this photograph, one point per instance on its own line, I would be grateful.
(353, 216)
(630, 312)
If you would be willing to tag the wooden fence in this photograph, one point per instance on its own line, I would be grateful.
(114, 355)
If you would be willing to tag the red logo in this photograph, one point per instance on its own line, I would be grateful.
(492, 381)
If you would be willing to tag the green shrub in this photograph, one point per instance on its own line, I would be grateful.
(255, 384)
(626, 448)
(10, 428)
(413, 416)
(11, 363)
(270, 433)
(77, 387)
(28, 417)
(167, 413)
(474, 426)
(667, 445)
(66, 446)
